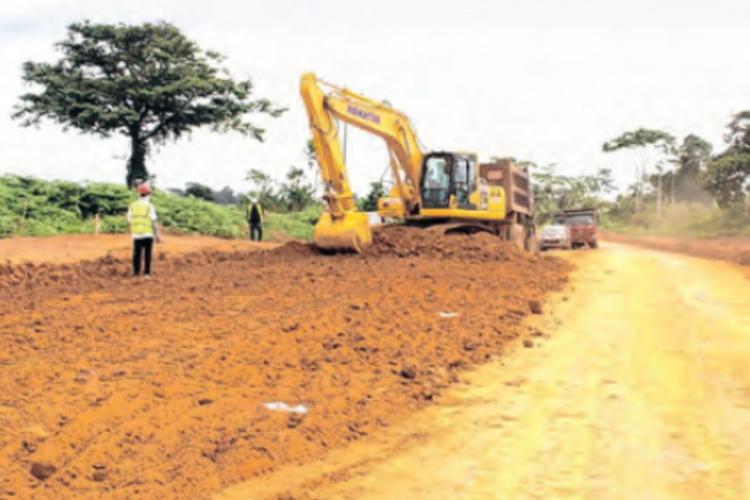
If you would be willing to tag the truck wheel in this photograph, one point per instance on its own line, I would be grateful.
(594, 244)
(532, 244)
(517, 233)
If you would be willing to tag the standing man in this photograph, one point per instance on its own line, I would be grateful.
(255, 220)
(142, 220)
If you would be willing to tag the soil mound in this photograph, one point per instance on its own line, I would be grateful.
(405, 241)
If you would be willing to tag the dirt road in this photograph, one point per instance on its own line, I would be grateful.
(641, 391)
(732, 248)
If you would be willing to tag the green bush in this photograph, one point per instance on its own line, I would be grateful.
(297, 225)
(195, 216)
(32, 207)
(115, 224)
(681, 219)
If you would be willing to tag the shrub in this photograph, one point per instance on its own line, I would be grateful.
(32, 207)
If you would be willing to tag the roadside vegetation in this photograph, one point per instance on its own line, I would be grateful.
(681, 219)
(683, 188)
(34, 207)
(688, 190)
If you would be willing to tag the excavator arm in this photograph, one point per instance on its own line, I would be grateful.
(341, 226)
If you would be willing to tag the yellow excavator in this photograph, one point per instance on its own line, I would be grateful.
(438, 187)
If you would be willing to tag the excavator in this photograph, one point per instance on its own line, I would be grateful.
(438, 187)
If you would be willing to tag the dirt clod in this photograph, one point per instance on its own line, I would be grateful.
(42, 471)
(535, 306)
(294, 420)
(468, 345)
(528, 343)
(99, 475)
(408, 373)
(82, 376)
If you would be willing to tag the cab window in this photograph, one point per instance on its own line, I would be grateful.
(436, 182)
(461, 181)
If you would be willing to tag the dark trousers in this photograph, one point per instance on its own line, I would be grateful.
(256, 228)
(142, 248)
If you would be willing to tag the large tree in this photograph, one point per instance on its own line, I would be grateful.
(644, 138)
(264, 189)
(738, 135)
(728, 174)
(148, 82)
(296, 193)
(686, 182)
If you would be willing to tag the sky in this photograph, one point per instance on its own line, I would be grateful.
(542, 80)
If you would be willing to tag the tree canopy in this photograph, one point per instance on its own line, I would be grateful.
(728, 174)
(554, 192)
(148, 82)
(738, 134)
(640, 138)
(369, 203)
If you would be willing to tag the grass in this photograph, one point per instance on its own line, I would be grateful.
(295, 225)
(682, 219)
(34, 207)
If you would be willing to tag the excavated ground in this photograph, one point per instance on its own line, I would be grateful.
(117, 387)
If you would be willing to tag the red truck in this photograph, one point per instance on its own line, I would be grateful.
(582, 224)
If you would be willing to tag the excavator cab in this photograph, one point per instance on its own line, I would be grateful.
(448, 180)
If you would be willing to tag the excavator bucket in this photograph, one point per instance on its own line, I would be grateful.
(348, 232)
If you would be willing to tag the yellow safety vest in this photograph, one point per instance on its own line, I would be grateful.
(140, 217)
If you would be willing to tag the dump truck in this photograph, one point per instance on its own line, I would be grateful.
(519, 201)
(582, 224)
(438, 187)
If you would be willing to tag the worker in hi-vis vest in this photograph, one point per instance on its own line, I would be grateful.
(142, 220)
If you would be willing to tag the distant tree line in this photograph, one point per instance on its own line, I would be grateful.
(554, 192)
(293, 194)
(224, 196)
(687, 170)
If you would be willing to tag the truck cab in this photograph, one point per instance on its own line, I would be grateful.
(582, 224)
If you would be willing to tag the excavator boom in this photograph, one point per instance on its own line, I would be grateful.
(341, 226)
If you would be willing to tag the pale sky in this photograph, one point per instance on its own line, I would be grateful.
(543, 80)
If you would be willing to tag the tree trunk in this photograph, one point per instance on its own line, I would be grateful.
(671, 188)
(637, 194)
(137, 160)
(659, 194)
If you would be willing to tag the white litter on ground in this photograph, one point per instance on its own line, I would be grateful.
(444, 314)
(281, 406)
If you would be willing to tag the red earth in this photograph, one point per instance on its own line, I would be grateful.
(732, 248)
(116, 387)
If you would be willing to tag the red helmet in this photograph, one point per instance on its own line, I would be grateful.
(144, 189)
